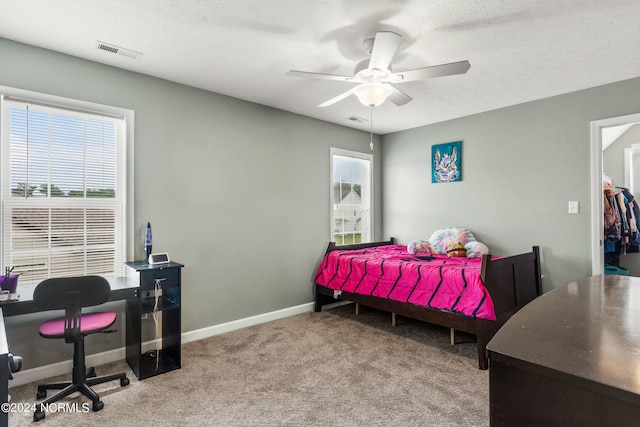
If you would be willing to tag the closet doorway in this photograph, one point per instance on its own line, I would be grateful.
(613, 154)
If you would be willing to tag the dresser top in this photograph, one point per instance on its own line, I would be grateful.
(588, 329)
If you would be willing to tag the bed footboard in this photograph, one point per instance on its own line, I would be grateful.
(512, 281)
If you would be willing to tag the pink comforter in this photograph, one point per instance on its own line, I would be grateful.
(450, 284)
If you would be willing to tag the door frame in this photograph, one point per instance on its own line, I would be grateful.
(597, 210)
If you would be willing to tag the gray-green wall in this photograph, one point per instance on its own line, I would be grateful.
(236, 191)
(520, 167)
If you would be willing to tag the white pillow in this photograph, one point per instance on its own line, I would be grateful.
(476, 249)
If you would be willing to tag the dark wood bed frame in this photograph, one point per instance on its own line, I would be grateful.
(512, 282)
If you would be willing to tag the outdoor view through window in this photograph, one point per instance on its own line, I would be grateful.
(351, 197)
(62, 210)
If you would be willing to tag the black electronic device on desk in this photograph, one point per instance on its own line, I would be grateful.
(159, 258)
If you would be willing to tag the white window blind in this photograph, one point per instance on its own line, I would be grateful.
(63, 192)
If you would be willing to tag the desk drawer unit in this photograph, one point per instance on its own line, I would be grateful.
(159, 299)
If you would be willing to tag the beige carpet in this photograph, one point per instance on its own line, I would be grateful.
(314, 369)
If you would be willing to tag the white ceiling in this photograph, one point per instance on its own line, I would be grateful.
(611, 134)
(519, 50)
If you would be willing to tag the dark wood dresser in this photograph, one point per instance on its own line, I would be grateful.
(571, 357)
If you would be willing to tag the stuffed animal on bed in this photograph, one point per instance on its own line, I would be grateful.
(420, 247)
(441, 241)
(457, 250)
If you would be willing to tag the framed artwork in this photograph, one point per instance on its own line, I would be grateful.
(446, 162)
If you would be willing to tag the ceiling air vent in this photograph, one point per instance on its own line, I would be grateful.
(357, 119)
(110, 48)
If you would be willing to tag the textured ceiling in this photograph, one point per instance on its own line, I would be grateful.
(519, 50)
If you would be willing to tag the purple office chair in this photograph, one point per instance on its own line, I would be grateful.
(71, 294)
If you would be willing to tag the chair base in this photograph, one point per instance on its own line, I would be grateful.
(68, 387)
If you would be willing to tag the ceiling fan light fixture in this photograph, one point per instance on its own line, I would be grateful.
(372, 94)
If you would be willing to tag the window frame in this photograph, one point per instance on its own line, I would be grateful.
(124, 164)
(334, 151)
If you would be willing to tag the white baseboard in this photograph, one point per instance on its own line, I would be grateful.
(47, 371)
(210, 331)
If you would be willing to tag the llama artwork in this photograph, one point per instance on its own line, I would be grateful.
(446, 162)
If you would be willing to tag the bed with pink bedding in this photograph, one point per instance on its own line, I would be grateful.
(474, 295)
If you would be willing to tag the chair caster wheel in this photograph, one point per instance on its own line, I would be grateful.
(97, 405)
(41, 394)
(91, 372)
(38, 415)
(124, 381)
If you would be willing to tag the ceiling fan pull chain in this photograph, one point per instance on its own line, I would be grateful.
(371, 123)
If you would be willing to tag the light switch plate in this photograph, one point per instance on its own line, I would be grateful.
(574, 207)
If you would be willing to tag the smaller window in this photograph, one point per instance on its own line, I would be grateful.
(351, 200)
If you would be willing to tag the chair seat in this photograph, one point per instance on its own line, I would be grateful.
(91, 322)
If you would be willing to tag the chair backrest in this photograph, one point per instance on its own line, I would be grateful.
(50, 294)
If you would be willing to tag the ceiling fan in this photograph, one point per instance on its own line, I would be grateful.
(375, 77)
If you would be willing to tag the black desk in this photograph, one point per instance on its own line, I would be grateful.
(570, 357)
(121, 289)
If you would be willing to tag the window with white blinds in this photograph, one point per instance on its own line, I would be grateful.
(63, 191)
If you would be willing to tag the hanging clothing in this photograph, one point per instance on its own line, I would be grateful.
(621, 233)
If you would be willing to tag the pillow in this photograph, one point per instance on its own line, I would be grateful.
(476, 249)
(420, 247)
(442, 240)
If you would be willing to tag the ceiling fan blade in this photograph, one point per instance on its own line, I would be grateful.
(430, 72)
(384, 48)
(398, 97)
(294, 73)
(337, 98)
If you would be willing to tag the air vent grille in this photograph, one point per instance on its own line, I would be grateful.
(357, 119)
(110, 48)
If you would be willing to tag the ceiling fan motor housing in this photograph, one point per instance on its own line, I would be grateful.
(362, 73)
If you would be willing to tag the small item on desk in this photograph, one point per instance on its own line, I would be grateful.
(9, 282)
(6, 296)
(159, 258)
(148, 242)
